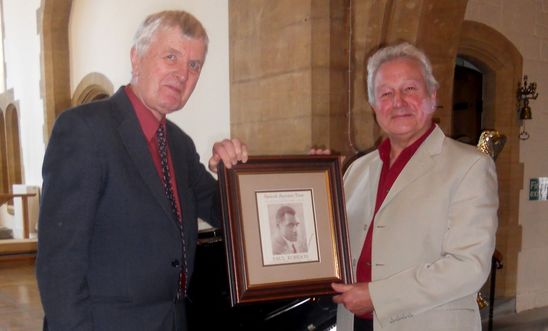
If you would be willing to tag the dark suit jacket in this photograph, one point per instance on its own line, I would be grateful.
(109, 247)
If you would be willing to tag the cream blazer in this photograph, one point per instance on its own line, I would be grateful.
(433, 236)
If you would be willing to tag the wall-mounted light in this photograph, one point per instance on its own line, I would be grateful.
(525, 92)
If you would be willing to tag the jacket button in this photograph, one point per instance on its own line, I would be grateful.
(175, 263)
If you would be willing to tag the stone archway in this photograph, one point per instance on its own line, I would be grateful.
(13, 147)
(4, 186)
(93, 86)
(53, 23)
(501, 63)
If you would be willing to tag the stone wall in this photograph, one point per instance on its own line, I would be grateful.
(291, 87)
(288, 74)
(297, 67)
(525, 24)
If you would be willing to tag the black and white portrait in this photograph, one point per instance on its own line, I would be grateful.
(287, 226)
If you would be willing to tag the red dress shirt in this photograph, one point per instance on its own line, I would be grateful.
(149, 125)
(389, 174)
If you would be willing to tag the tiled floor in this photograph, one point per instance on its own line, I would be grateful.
(20, 308)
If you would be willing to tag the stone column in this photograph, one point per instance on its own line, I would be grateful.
(288, 74)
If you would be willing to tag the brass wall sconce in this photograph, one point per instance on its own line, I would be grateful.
(524, 94)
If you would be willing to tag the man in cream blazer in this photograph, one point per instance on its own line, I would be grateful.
(433, 234)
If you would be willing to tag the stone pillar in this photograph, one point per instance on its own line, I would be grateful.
(426, 23)
(55, 85)
(501, 63)
(288, 74)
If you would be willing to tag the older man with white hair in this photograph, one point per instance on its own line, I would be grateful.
(123, 187)
(422, 211)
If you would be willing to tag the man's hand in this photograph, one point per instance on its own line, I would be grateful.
(354, 297)
(230, 151)
(325, 151)
(319, 151)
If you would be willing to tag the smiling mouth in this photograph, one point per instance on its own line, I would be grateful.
(401, 116)
(175, 89)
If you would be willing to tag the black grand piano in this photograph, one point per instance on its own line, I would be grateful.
(209, 307)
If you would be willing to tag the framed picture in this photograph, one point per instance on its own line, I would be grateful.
(284, 227)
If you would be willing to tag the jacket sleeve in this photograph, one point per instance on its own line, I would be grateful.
(72, 176)
(206, 189)
(466, 251)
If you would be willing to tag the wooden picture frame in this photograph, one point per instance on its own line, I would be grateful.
(285, 227)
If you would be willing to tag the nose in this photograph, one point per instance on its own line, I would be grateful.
(398, 101)
(181, 72)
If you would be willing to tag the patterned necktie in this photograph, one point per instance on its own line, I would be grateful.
(168, 190)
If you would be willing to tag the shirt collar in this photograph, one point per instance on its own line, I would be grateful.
(149, 123)
(384, 147)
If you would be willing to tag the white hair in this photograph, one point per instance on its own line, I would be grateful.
(401, 50)
(188, 24)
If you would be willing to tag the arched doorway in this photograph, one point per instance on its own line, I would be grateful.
(54, 22)
(501, 64)
(93, 86)
(467, 107)
(4, 186)
(13, 148)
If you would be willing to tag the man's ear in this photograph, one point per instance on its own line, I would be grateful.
(374, 113)
(371, 105)
(433, 98)
(134, 61)
(434, 95)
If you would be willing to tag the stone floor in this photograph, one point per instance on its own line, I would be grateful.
(506, 319)
(20, 308)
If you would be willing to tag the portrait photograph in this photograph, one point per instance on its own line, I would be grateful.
(284, 227)
(287, 226)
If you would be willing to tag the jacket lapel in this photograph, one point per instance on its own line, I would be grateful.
(178, 158)
(136, 146)
(419, 165)
(375, 174)
(376, 169)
